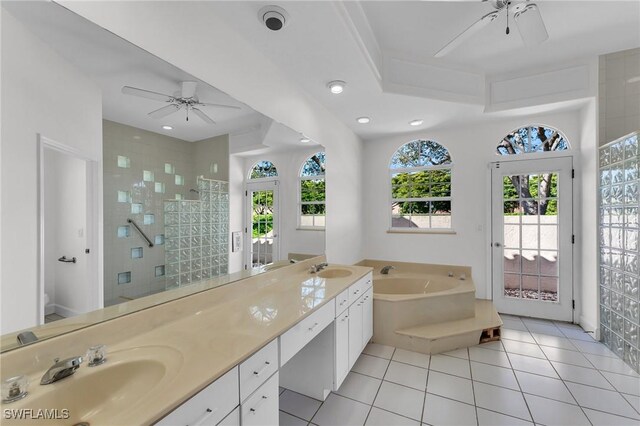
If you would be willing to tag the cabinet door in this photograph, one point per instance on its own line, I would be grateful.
(342, 349)
(355, 331)
(367, 317)
(262, 408)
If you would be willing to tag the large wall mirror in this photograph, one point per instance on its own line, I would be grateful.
(193, 189)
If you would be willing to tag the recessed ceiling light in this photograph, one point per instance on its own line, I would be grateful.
(166, 127)
(363, 120)
(336, 87)
(416, 122)
(305, 140)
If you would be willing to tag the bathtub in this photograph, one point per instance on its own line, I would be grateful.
(416, 294)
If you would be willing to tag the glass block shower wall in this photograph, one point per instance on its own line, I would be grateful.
(619, 263)
(197, 235)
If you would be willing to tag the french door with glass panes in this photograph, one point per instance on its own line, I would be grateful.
(532, 250)
(261, 231)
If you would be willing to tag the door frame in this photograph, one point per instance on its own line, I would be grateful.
(94, 232)
(260, 184)
(575, 290)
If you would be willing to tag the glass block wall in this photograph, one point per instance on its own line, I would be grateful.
(197, 235)
(619, 263)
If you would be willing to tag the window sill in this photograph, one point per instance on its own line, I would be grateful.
(422, 231)
(305, 228)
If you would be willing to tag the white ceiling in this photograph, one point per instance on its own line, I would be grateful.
(319, 45)
(112, 62)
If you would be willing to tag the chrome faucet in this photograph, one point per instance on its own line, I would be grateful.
(386, 269)
(61, 369)
(317, 268)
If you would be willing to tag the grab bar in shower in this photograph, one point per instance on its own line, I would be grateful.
(141, 232)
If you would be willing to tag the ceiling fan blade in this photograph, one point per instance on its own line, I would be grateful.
(218, 105)
(164, 111)
(474, 28)
(188, 89)
(203, 116)
(128, 90)
(531, 26)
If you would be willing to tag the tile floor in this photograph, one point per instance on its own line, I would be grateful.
(541, 373)
(52, 317)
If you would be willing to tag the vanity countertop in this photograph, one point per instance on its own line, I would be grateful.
(197, 339)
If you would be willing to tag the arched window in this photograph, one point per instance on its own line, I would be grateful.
(421, 186)
(531, 139)
(312, 192)
(263, 169)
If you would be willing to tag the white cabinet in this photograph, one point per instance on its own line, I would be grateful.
(233, 419)
(262, 407)
(355, 331)
(302, 333)
(342, 364)
(255, 370)
(367, 316)
(209, 406)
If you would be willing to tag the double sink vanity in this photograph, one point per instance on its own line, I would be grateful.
(217, 357)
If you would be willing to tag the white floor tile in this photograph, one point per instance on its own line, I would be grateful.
(522, 348)
(566, 325)
(566, 356)
(623, 383)
(554, 341)
(407, 375)
(446, 412)
(298, 405)
(450, 365)
(400, 400)
(555, 413)
(513, 323)
(338, 410)
(633, 400)
(585, 376)
(598, 418)
(379, 350)
(532, 365)
(371, 366)
(289, 420)
(548, 329)
(578, 334)
(494, 375)
(491, 418)
(413, 358)
(614, 365)
(603, 400)
(360, 387)
(502, 400)
(458, 353)
(523, 336)
(450, 386)
(544, 386)
(496, 346)
(489, 357)
(595, 348)
(378, 417)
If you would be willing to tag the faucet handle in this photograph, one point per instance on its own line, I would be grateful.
(96, 355)
(14, 389)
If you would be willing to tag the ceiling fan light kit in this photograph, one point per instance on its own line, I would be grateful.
(530, 25)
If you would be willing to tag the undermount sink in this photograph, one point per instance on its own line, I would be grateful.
(335, 273)
(93, 394)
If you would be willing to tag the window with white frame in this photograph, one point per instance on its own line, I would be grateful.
(263, 169)
(312, 192)
(530, 139)
(420, 175)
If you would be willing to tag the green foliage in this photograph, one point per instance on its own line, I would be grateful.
(264, 169)
(262, 224)
(530, 195)
(422, 184)
(262, 202)
(420, 153)
(312, 190)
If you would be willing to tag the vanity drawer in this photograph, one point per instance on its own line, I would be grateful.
(342, 302)
(356, 290)
(367, 282)
(262, 408)
(303, 332)
(209, 406)
(255, 370)
(233, 419)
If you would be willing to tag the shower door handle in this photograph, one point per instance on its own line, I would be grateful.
(497, 245)
(65, 260)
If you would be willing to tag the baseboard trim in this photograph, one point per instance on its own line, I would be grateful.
(589, 326)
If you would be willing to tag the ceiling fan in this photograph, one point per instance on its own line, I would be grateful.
(185, 98)
(526, 15)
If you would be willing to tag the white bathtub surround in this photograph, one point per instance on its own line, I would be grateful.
(428, 308)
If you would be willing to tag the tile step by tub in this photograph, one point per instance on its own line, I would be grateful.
(449, 335)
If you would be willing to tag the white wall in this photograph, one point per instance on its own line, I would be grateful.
(211, 52)
(41, 93)
(292, 239)
(472, 149)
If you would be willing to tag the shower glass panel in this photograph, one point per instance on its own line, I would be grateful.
(618, 244)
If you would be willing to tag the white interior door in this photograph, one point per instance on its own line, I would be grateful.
(261, 236)
(532, 234)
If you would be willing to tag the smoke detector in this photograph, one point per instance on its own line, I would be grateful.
(273, 17)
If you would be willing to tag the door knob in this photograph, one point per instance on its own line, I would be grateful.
(497, 244)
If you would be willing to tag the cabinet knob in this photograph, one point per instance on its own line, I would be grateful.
(259, 372)
(207, 413)
(255, 409)
(313, 326)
